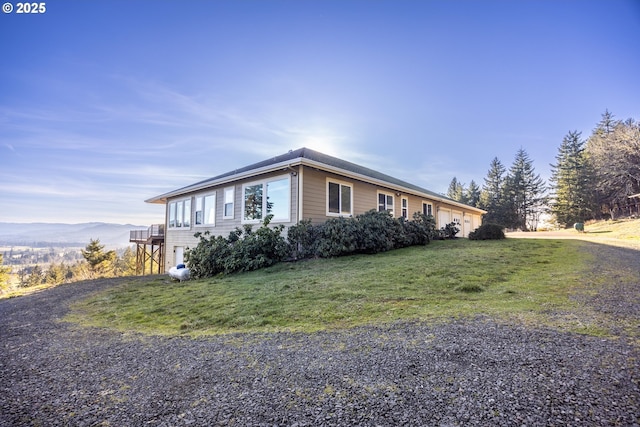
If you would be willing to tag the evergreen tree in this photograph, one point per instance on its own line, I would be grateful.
(524, 190)
(456, 191)
(473, 194)
(56, 274)
(573, 199)
(491, 197)
(100, 263)
(126, 264)
(35, 277)
(4, 275)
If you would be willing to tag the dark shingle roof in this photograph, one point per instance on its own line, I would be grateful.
(315, 156)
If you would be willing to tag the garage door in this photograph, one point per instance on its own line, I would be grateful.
(444, 218)
(456, 218)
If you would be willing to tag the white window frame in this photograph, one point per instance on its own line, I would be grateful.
(202, 198)
(265, 197)
(340, 210)
(424, 203)
(229, 191)
(404, 207)
(177, 209)
(386, 202)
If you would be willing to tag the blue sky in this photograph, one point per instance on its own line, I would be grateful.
(104, 104)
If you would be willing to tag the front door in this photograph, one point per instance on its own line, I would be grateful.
(179, 254)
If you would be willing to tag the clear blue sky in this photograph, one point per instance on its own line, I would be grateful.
(104, 104)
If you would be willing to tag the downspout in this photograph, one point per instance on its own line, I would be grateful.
(300, 192)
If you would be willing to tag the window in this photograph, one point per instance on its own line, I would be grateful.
(270, 197)
(339, 198)
(180, 214)
(405, 208)
(229, 196)
(427, 208)
(385, 202)
(206, 210)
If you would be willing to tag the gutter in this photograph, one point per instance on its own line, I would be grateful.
(288, 165)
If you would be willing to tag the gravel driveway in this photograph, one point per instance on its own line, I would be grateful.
(476, 372)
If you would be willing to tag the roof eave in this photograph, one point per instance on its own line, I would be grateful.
(163, 198)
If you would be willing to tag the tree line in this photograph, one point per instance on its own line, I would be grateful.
(96, 263)
(592, 178)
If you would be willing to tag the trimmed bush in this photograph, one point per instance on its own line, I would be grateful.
(243, 250)
(369, 233)
(246, 250)
(487, 232)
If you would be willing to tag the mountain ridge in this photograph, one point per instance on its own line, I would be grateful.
(42, 234)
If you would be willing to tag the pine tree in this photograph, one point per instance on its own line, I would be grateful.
(491, 197)
(472, 196)
(524, 190)
(100, 263)
(573, 199)
(456, 191)
(126, 264)
(35, 277)
(4, 275)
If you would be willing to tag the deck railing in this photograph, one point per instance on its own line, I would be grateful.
(155, 232)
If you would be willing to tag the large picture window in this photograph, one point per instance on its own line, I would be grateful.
(180, 214)
(206, 210)
(339, 198)
(269, 197)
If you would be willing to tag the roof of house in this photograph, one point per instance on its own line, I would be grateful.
(312, 158)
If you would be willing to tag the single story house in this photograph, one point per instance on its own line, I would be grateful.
(301, 184)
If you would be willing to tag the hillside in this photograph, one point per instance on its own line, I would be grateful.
(52, 234)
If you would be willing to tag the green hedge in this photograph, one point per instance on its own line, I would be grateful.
(246, 250)
(369, 233)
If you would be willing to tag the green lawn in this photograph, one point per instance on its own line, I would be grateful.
(510, 279)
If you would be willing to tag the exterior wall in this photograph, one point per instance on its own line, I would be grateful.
(312, 184)
(365, 198)
(184, 236)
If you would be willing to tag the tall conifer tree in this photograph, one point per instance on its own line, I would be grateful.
(571, 176)
(524, 190)
(491, 197)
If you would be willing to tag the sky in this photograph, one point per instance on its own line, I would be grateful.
(107, 103)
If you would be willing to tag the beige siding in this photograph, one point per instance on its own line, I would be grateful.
(184, 237)
(365, 197)
(314, 206)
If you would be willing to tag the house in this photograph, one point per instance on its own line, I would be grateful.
(301, 184)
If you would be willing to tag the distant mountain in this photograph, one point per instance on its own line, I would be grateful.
(77, 235)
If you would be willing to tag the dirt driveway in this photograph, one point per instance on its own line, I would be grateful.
(472, 372)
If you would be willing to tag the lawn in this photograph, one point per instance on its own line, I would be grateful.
(513, 279)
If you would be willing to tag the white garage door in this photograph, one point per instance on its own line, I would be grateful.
(456, 218)
(444, 218)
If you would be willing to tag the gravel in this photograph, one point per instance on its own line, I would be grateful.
(473, 372)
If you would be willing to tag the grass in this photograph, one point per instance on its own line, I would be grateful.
(510, 279)
(621, 232)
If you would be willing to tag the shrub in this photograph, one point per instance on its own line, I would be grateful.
(338, 237)
(371, 232)
(377, 232)
(243, 250)
(450, 230)
(487, 232)
(304, 239)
